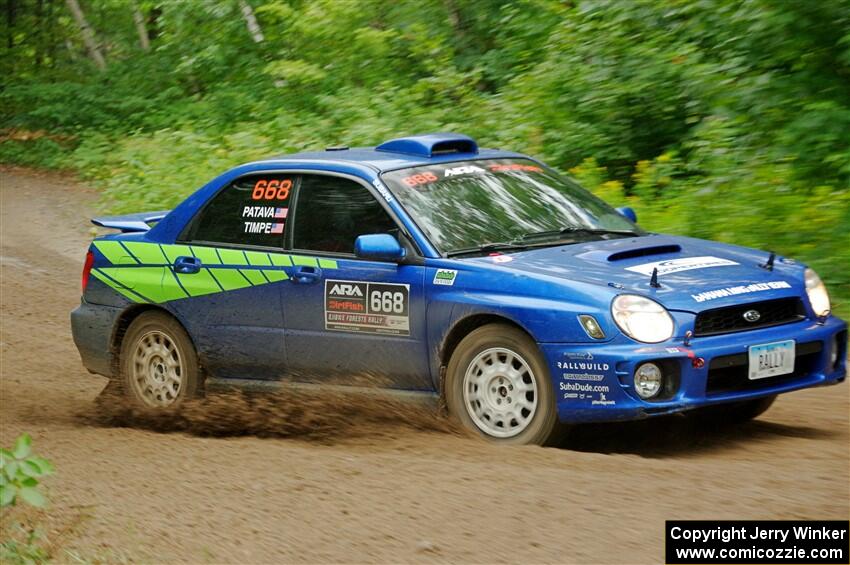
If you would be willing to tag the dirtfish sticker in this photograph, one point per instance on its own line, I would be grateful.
(736, 290)
(678, 265)
(445, 277)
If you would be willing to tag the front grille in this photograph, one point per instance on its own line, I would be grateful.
(731, 318)
(730, 373)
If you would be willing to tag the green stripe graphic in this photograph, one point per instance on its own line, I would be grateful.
(142, 271)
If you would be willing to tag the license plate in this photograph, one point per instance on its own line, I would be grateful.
(771, 359)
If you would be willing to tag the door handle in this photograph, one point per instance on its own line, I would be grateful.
(187, 265)
(306, 275)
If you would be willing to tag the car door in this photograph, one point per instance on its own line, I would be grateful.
(235, 245)
(349, 320)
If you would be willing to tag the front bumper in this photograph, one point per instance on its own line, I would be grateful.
(594, 382)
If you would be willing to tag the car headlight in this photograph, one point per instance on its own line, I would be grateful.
(642, 319)
(818, 297)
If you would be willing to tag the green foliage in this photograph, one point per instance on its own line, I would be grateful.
(28, 550)
(723, 119)
(20, 472)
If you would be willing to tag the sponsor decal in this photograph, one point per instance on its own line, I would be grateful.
(515, 167)
(597, 394)
(582, 377)
(356, 306)
(580, 387)
(678, 265)
(586, 355)
(264, 212)
(465, 170)
(584, 366)
(602, 401)
(499, 258)
(736, 290)
(263, 227)
(445, 277)
(382, 190)
(346, 289)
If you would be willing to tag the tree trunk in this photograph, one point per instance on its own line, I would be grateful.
(87, 33)
(10, 23)
(39, 33)
(139, 19)
(251, 22)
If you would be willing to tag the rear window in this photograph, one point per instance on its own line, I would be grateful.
(252, 210)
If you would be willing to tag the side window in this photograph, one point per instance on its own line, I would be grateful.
(252, 210)
(331, 213)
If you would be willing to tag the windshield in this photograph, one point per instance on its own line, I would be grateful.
(490, 202)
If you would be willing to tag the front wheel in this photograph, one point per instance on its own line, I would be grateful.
(497, 385)
(159, 366)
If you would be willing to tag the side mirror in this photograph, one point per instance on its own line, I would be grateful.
(628, 213)
(379, 247)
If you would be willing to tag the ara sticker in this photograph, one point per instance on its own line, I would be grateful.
(445, 277)
(356, 306)
(677, 265)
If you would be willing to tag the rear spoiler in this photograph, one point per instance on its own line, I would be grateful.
(141, 222)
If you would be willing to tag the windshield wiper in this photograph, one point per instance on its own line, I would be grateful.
(485, 247)
(576, 230)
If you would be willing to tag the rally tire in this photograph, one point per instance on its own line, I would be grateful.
(159, 364)
(503, 351)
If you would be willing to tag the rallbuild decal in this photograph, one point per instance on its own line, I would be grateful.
(356, 306)
(445, 277)
(143, 272)
(736, 290)
(677, 265)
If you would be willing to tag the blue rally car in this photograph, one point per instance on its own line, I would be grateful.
(429, 265)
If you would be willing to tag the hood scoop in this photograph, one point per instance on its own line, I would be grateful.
(644, 252)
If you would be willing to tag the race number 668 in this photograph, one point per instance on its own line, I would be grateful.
(386, 301)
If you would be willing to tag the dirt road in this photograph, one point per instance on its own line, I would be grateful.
(400, 495)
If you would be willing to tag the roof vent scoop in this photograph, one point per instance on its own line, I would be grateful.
(431, 145)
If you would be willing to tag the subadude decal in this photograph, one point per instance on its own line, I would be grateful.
(357, 306)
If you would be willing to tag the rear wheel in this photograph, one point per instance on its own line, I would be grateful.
(497, 385)
(159, 366)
